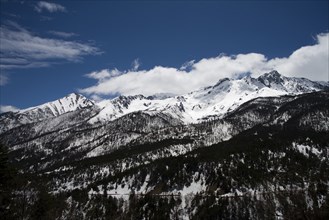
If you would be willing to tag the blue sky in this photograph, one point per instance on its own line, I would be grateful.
(105, 48)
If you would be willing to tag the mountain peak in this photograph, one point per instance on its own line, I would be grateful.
(272, 74)
(75, 97)
(70, 102)
(73, 94)
(221, 81)
(271, 78)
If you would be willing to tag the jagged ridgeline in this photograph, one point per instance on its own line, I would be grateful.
(253, 148)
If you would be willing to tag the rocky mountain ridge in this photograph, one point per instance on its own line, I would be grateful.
(213, 101)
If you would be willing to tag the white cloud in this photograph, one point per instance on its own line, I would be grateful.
(135, 64)
(103, 74)
(187, 65)
(3, 80)
(22, 49)
(8, 108)
(50, 7)
(63, 34)
(308, 61)
(96, 98)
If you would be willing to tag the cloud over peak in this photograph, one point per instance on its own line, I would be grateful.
(308, 61)
(135, 64)
(49, 7)
(8, 108)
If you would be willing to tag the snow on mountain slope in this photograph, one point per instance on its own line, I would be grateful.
(291, 85)
(214, 101)
(206, 103)
(55, 108)
(68, 103)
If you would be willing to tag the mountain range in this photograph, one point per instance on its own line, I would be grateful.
(242, 148)
(213, 101)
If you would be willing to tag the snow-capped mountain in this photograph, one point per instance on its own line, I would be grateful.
(213, 101)
(291, 85)
(58, 107)
(236, 146)
(69, 103)
(206, 103)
